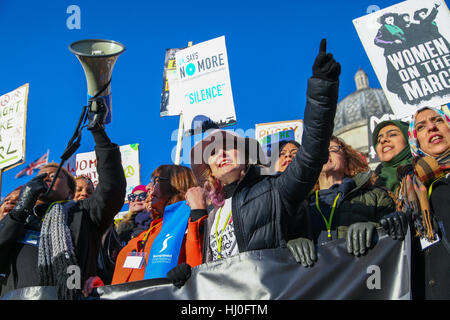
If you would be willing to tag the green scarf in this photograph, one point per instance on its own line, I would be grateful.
(396, 31)
(388, 175)
(389, 171)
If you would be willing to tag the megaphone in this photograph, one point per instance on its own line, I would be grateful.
(97, 57)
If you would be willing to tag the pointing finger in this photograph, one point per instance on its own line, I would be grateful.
(323, 46)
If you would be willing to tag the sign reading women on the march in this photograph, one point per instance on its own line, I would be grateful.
(408, 46)
(203, 87)
(13, 117)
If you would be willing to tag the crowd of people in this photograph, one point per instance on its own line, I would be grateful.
(228, 202)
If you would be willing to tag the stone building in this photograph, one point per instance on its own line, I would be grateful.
(354, 111)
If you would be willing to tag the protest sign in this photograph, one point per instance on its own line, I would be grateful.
(262, 130)
(276, 138)
(203, 87)
(86, 164)
(13, 117)
(408, 46)
(170, 73)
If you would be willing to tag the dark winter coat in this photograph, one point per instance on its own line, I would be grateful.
(263, 206)
(437, 257)
(360, 202)
(87, 220)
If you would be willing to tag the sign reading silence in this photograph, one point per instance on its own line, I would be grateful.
(203, 87)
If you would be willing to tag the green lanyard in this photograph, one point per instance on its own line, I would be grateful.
(327, 222)
(219, 240)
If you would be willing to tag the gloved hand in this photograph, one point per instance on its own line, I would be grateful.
(97, 114)
(359, 238)
(395, 224)
(28, 196)
(303, 251)
(325, 67)
(179, 275)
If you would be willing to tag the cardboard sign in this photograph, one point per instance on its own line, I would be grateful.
(408, 46)
(262, 130)
(269, 141)
(86, 164)
(203, 87)
(13, 118)
(170, 73)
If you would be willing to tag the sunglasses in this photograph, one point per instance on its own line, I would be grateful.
(137, 197)
(156, 179)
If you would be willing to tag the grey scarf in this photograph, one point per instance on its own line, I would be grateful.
(56, 252)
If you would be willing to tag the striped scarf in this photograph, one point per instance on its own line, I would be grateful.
(416, 186)
(56, 252)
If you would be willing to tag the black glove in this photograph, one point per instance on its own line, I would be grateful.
(395, 224)
(97, 114)
(325, 67)
(359, 238)
(28, 196)
(303, 251)
(179, 275)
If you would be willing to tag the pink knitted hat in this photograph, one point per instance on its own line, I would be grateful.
(139, 187)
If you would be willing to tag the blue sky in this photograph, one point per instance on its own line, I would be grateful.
(271, 48)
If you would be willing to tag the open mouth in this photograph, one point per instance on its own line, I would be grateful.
(435, 139)
(225, 162)
(387, 148)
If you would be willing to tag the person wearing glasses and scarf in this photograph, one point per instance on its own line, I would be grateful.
(137, 219)
(425, 192)
(344, 203)
(141, 257)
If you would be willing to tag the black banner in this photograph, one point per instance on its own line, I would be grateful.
(272, 274)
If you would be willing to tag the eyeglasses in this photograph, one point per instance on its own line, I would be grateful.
(335, 149)
(137, 196)
(156, 179)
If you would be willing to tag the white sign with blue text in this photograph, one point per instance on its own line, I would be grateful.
(203, 87)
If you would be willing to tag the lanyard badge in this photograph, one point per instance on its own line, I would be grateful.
(333, 208)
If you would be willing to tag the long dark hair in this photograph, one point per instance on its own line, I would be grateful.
(180, 179)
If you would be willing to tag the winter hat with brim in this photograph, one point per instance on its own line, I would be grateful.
(221, 139)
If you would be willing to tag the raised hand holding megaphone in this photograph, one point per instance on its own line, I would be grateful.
(97, 58)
